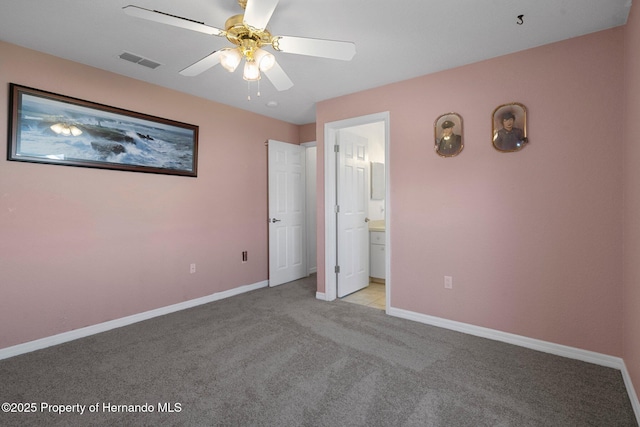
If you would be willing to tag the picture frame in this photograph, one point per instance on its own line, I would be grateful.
(509, 127)
(49, 128)
(448, 135)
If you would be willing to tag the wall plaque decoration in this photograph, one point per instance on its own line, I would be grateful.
(447, 130)
(49, 128)
(509, 123)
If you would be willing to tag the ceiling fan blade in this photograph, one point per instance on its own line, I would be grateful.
(202, 65)
(315, 47)
(278, 77)
(176, 21)
(258, 12)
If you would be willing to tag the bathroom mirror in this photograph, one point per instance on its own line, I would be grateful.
(509, 123)
(447, 131)
(377, 181)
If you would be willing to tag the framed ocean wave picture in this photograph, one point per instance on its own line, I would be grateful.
(45, 127)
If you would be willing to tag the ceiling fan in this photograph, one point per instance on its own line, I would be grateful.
(249, 34)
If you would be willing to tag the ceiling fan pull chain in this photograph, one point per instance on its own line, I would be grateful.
(249, 89)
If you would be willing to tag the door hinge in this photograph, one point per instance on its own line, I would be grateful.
(337, 269)
(336, 209)
(336, 148)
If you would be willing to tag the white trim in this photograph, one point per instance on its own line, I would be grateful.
(321, 296)
(633, 397)
(387, 211)
(330, 132)
(41, 343)
(519, 340)
(531, 343)
(311, 202)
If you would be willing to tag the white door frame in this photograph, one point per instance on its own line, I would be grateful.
(330, 243)
(311, 173)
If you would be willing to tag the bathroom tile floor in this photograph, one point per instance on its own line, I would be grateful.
(373, 295)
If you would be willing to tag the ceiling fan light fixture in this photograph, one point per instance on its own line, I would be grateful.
(230, 59)
(265, 60)
(251, 71)
(248, 32)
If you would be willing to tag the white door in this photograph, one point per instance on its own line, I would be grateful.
(353, 203)
(287, 232)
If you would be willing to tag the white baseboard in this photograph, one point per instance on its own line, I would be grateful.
(534, 344)
(38, 344)
(321, 295)
(633, 396)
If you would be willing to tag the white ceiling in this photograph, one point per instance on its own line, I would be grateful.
(395, 40)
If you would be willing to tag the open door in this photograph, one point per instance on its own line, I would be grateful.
(287, 232)
(331, 138)
(352, 221)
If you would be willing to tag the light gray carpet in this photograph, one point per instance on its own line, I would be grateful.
(279, 357)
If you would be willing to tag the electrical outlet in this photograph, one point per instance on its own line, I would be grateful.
(448, 282)
(245, 256)
(192, 268)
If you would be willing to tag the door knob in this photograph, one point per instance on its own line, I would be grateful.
(275, 220)
(367, 220)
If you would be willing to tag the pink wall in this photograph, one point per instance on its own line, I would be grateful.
(83, 246)
(631, 293)
(308, 132)
(532, 239)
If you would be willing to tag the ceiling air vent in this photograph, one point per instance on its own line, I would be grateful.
(128, 56)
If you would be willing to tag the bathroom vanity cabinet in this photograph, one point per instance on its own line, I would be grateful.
(377, 254)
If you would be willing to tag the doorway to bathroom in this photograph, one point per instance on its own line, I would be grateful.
(356, 214)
